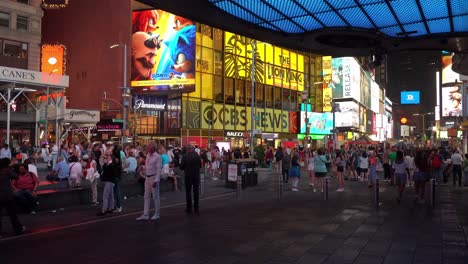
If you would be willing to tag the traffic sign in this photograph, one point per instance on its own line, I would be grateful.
(117, 120)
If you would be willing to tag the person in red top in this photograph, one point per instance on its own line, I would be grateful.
(25, 187)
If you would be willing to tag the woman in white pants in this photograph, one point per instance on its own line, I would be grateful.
(91, 174)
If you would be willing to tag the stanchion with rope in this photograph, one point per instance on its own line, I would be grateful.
(280, 187)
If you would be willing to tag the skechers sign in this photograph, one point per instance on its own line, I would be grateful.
(410, 97)
(228, 117)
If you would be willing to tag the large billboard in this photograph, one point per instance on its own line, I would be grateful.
(163, 51)
(273, 65)
(348, 115)
(452, 101)
(346, 78)
(410, 97)
(319, 123)
(375, 97)
(327, 78)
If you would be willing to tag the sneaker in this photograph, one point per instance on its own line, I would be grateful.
(340, 190)
(215, 178)
(315, 190)
(118, 210)
(154, 218)
(143, 217)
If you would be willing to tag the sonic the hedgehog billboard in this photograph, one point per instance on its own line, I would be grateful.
(163, 52)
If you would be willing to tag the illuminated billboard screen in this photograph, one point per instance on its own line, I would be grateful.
(452, 101)
(348, 116)
(319, 123)
(410, 97)
(163, 51)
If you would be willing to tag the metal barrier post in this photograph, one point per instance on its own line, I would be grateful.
(433, 190)
(239, 181)
(325, 193)
(280, 186)
(202, 185)
(377, 194)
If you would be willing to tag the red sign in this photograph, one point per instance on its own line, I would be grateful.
(292, 122)
(374, 124)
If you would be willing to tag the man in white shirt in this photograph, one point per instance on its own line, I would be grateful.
(153, 174)
(457, 161)
(5, 152)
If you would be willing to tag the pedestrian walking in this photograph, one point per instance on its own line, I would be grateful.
(109, 174)
(421, 174)
(191, 164)
(457, 161)
(286, 166)
(295, 171)
(401, 171)
(153, 165)
(310, 166)
(340, 163)
(320, 169)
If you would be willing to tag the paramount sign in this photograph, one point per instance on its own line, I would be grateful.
(140, 104)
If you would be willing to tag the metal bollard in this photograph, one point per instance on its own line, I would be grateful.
(433, 190)
(325, 193)
(202, 185)
(239, 186)
(280, 186)
(377, 194)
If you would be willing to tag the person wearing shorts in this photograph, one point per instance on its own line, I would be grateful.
(320, 168)
(401, 172)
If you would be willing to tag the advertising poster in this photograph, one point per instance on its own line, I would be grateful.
(163, 51)
(319, 123)
(336, 82)
(327, 76)
(375, 97)
(348, 115)
(410, 97)
(351, 78)
(365, 89)
(451, 101)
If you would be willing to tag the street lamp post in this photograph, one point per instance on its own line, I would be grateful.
(252, 121)
(424, 121)
(125, 95)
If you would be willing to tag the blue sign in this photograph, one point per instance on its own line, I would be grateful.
(318, 123)
(410, 97)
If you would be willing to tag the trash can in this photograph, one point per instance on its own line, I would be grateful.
(244, 168)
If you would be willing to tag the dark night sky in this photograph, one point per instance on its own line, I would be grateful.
(412, 71)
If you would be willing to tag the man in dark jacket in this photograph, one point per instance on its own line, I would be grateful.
(7, 199)
(191, 164)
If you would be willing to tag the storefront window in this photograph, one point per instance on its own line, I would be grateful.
(293, 101)
(240, 92)
(207, 38)
(218, 89)
(218, 63)
(277, 96)
(268, 97)
(229, 90)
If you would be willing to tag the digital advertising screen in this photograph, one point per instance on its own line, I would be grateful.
(163, 51)
(410, 97)
(348, 116)
(452, 101)
(319, 123)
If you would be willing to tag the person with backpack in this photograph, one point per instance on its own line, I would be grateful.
(436, 166)
(286, 166)
(295, 171)
(279, 159)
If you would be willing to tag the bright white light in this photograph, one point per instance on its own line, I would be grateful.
(114, 46)
(52, 60)
(42, 134)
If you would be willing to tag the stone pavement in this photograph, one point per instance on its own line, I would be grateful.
(301, 228)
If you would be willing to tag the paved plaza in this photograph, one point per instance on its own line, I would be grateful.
(258, 228)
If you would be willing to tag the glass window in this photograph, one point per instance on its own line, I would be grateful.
(207, 60)
(15, 49)
(21, 23)
(218, 63)
(248, 91)
(217, 39)
(286, 98)
(4, 19)
(218, 89)
(293, 101)
(260, 101)
(277, 96)
(240, 92)
(229, 90)
(207, 86)
(268, 97)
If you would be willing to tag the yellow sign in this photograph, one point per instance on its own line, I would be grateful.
(229, 117)
(273, 65)
(327, 94)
